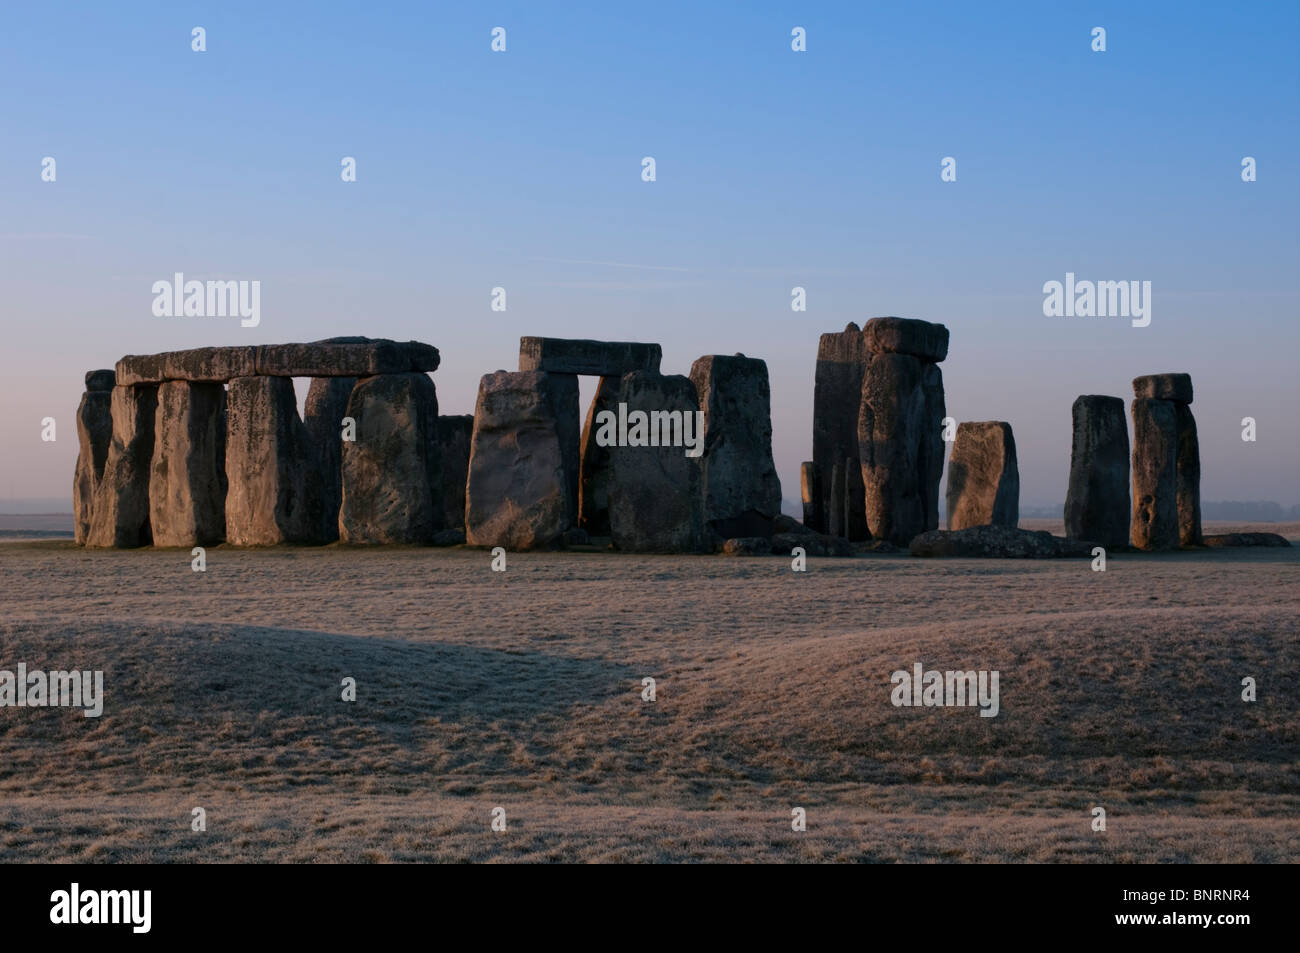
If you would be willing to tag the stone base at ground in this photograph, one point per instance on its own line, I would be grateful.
(999, 542)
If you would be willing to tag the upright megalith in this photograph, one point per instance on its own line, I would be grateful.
(1097, 505)
(892, 428)
(1179, 492)
(454, 433)
(1155, 488)
(323, 416)
(835, 508)
(842, 359)
(1188, 477)
(810, 493)
(742, 493)
(655, 503)
(94, 434)
(983, 476)
(274, 489)
(522, 487)
(593, 482)
(120, 514)
(900, 427)
(392, 475)
(187, 480)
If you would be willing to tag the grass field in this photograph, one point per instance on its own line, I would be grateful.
(522, 690)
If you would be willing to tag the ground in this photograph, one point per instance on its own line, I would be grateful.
(523, 690)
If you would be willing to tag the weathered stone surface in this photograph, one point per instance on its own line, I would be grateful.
(842, 359)
(274, 494)
(120, 514)
(1175, 387)
(574, 356)
(929, 460)
(454, 435)
(1245, 539)
(813, 544)
(392, 474)
(347, 357)
(921, 339)
(655, 503)
(810, 492)
(519, 493)
(333, 357)
(983, 476)
(892, 428)
(1188, 477)
(94, 434)
(747, 546)
(323, 413)
(1001, 542)
(102, 380)
(836, 509)
(593, 482)
(742, 492)
(1097, 504)
(187, 481)
(1155, 492)
(788, 524)
(449, 537)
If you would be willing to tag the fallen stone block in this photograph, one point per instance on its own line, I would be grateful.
(747, 546)
(999, 542)
(1245, 539)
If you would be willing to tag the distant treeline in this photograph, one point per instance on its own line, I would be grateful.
(1259, 511)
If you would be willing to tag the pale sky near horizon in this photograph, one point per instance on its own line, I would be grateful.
(775, 168)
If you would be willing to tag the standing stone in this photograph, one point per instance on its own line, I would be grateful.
(1188, 476)
(842, 359)
(593, 487)
(94, 435)
(855, 517)
(810, 491)
(392, 479)
(655, 504)
(892, 426)
(187, 481)
(274, 493)
(1155, 490)
(983, 477)
(454, 433)
(520, 493)
(323, 413)
(930, 458)
(120, 515)
(1097, 505)
(742, 493)
(835, 509)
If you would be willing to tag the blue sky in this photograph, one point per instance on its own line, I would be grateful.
(774, 169)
